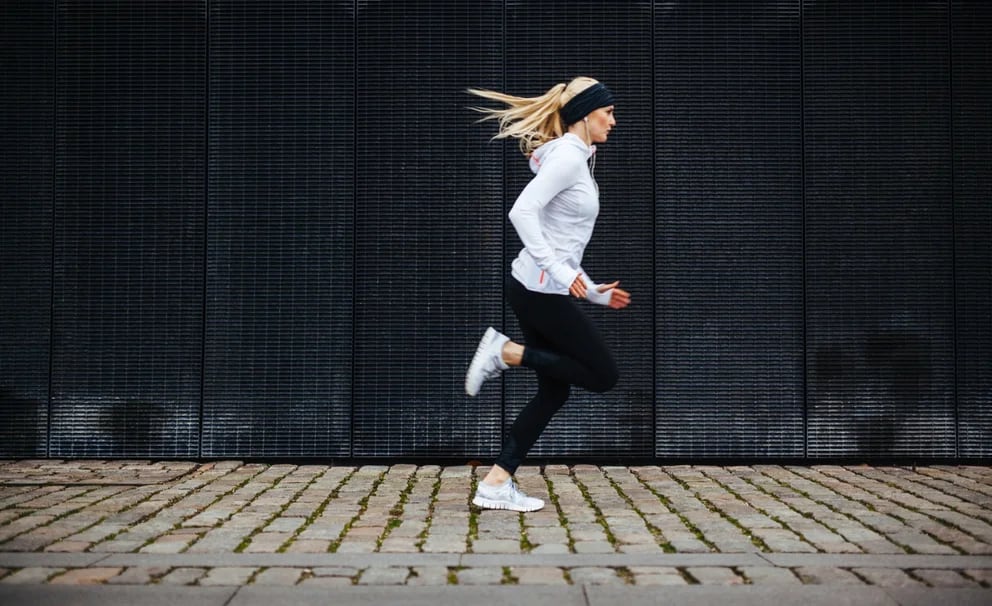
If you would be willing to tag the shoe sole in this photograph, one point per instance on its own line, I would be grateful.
(478, 360)
(491, 504)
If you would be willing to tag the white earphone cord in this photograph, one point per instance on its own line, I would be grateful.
(592, 162)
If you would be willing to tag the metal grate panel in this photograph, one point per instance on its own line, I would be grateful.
(972, 86)
(280, 229)
(27, 37)
(879, 239)
(428, 227)
(729, 304)
(128, 277)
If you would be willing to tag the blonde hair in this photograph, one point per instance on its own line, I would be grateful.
(532, 120)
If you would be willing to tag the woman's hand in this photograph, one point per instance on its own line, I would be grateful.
(619, 298)
(578, 288)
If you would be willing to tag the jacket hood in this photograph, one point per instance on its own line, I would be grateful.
(566, 140)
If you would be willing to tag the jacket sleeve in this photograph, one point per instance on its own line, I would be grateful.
(592, 294)
(559, 172)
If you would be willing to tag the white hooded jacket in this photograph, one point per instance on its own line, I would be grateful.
(555, 216)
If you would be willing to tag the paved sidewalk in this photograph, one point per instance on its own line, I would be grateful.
(108, 532)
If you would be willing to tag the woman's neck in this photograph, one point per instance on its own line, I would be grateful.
(581, 130)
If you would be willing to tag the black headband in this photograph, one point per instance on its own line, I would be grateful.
(589, 100)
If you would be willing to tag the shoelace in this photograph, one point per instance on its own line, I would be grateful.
(515, 493)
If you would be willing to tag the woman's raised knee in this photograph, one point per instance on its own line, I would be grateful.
(603, 381)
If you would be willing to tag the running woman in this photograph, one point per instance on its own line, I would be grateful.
(554, 217)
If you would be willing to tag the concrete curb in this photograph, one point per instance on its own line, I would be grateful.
(379, 560)
(304, 560)
(865, 560)
(55, 560)
(613, 560)
(146, 595)
(157, 595)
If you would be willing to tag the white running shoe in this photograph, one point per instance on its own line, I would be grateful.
(487, 362)
(505, 496)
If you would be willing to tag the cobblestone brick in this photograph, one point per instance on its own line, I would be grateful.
(218, 541)
(825, 575)
(400, 545)
(170, 543)
(657, 576)
(285, 524)
(86, 576)
(22, 525)
(428, 576)
(593, 547)
(640, 548)
(384, 575)
(480, 576)
(31, 575)
(328, 582)
(137, 575)
(538, 575)
(496, 546)
(68, 547)
(279, 576)
(943, 578)
(267, 542)
(308, 546)
(594, 576)
(228, 575)
(183, 576)
(368, 546)
(335, 571)
(887, 577)
(982, 575)
(714, 575)
(769, 575)
(543, 535)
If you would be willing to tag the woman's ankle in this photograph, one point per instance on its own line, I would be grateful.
(513, 353)
(496, 476)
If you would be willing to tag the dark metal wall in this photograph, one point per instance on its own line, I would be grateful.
(280, 235)
(427, 228)
(971, 77)
(127, 267)
(272, 229)
(27, 62)
(879, 229)
(729, 230)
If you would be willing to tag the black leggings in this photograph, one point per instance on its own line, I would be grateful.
(564, 347)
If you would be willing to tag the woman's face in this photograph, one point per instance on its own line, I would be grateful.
(600, 122)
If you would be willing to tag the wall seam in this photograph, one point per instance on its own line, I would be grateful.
(504, 191)
(51, 289)
(206, 220)
(954, 231)
(354, 219)
(654, 234)
(802, 202)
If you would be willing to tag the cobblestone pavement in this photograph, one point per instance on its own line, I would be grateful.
(232, 524)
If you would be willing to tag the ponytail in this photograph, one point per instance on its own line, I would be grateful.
(532, 120)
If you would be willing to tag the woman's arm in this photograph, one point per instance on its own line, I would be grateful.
(558, 173)
(602, 294)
